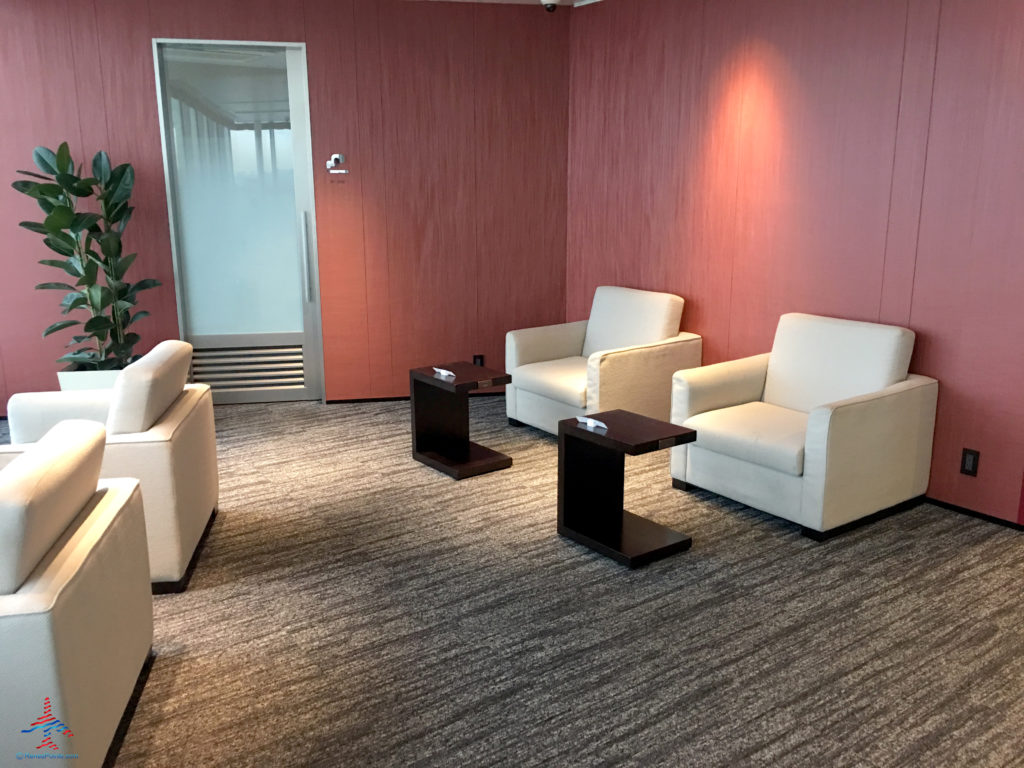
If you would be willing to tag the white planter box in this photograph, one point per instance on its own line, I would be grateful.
(87, 379)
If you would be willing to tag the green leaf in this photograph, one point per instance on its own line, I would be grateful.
(67, 181)
(85, 357)
(73, 301)
(34, 175)
(59, 219)
(122, 189)
(38, 190)
(123, 222)
(89, 273)
(83, 221)
(58, 246)
(117, 212)
(101, 167)
(55, 286)
(98, 323)
(138, 316)
(110, 244)
(64, 161)
(123, 264)
(46, 205)
(123, 306)
(59, 265)
(143, 285)
(82, 189)
(45, 160)
(33, 226)
(62, 324)
(26, 187)
(100, 297)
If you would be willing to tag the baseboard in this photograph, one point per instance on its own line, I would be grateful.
(972, 513)
(176, 587)
(129, 711)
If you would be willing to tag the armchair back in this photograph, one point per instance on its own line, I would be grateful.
(146, 388)
(624, 317)
(817, 360)
(42, 491)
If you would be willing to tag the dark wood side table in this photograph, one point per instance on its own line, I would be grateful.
(440, 419)
(591, 471)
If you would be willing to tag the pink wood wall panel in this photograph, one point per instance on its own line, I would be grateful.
(431, 223)
(520, 175)
(810, 162)
(909, 158)
(632, 222)
(384, 380)
(815, 90)
(34, 113)
(401, 86)
(331, 62)
(970, 268)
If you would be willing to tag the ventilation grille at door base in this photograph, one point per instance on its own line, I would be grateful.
(249, 368)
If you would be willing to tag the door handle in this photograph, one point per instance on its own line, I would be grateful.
(306, 271)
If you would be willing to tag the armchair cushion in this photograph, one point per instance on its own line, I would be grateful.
(757, 432)
(147, 387)
(817, 360)
(625, 317)
(564, 380)
(41, 492)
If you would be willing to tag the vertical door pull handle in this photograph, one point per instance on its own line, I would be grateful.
(306, 270)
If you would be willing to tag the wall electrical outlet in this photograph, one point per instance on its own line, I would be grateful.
(969, 462)
(478, 360)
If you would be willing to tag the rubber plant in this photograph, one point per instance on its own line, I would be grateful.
(88, 243)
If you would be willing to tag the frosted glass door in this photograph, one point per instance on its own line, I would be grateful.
(236, 140)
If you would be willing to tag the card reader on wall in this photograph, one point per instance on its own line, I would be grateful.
(336, 160)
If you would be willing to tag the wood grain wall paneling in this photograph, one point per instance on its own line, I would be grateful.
(918, 74)
(521, 119)
(133, 130)
(821, 154)
(967, 289)
(385, 379)
(629, 224)
(816, 92)
(41, 107)
(331, 62)
(427, 87)
(254, 20)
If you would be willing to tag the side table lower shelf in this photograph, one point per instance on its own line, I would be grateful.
(636, 542)
(478, 460)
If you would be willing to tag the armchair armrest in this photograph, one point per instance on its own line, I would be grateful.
(639, 378)
(545, 342)
(870, 451)
(9, 453)
(30, 415)
(718, 386)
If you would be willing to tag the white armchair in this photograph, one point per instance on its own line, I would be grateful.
(622, 357)
(825, 429)
(76, 614)
(160, 430)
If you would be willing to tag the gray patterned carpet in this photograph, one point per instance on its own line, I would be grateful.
(355, 608)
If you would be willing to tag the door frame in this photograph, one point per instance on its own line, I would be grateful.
(312, 318)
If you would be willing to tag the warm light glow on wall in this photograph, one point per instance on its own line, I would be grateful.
(746, 148)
